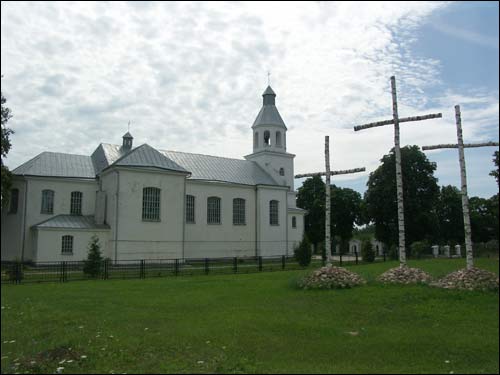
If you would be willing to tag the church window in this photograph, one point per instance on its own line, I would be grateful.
(267, 138)
(14, 201)
(294, 222)
(76, 203)
(151, 204)
(47, 202)
(282, 171)
(274, 212)
(278, 139)
(239, 211)
(67, 245)
(213, 210)
(256, 140)
(190, 209)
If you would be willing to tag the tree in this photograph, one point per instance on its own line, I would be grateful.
(345, 212)
(6, 176)
(367, 252)
(311, 197)
(303, 252)
(420, 194)
(92, 265)
(484, 218)
(494, 172)
(450, 215)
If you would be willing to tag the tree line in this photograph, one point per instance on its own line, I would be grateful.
(433, 214)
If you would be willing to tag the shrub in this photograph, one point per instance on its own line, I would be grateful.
(419, 248)
(15, 270)
(92, 266)
(367, 252)
(303, 252)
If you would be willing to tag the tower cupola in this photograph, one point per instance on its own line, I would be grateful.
(127, 141)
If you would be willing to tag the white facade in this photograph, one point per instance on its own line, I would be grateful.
(113, 185)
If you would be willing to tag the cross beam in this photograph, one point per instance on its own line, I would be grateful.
(397, 151)
(328, 173)
(463, 176)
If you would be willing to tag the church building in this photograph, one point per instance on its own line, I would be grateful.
(146, 203)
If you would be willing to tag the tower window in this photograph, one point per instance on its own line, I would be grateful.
(267, 138)
(282, 171)
(278, 139)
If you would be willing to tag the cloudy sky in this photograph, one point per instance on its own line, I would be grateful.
(189, 77)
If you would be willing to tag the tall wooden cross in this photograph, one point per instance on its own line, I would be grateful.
(328, 173)
(397, 151)
(463, 176)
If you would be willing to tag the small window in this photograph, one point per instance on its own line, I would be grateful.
(47, 202)
(190, 209)
(294, 222)
(213, 210)
(14, 201)
(239, 211)
(151, 204)
(267, 138)
(274, 212)
(278, 139)
(76, 203)
(67, 245)
(282, 171)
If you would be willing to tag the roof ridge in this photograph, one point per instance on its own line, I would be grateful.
(196, 153)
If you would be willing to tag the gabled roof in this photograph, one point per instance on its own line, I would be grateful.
(147, 156)
(55, 164)
(71, 222)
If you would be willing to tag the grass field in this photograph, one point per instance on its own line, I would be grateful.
(255, 323)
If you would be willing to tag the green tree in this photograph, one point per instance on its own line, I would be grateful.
(345, 212)
(311, 197)
(420, 194)
(303, 253)
(450, 216)
(494, 172)
(6, 176)
(92, 265)
(367, 252)
(484, 218)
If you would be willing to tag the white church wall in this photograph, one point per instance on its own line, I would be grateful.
(49, 242)
(225, 239)
(295, 234)
(272, 238)
(11, 229)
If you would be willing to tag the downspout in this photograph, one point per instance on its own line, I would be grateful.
(117, 206)
(24, 217)
(287, 216)
(256, 221)
(184, 219)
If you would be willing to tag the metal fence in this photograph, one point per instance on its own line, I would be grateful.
(36, 272)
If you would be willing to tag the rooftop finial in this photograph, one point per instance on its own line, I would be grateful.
(268, 78)
(128, 128)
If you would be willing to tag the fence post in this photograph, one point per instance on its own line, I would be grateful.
(18, 272)
(260, 263)
(235, 264)
(176, 267)
(356, 254)
(323, 260)
(283, 262)
(384, 255)
(206, 266)
(106, 269)
(340, 253)
(142, 273)
(61, 272)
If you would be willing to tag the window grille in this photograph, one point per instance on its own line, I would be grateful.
(190, 209)
(273, 212)
(47, 202)
(294, 222)
(76, 203)
(151, 204)
(14, 201)
(213, 210)
(239, 211)
(67, 245)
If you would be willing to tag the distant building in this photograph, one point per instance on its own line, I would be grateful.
(145, 203)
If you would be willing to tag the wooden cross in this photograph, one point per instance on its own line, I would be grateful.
(397, 151)
(463, 176)
(328, 173)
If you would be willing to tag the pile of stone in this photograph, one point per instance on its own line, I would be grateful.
(473, 279)
(405, 275)
(331, 277)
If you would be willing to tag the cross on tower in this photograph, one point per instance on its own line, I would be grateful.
(397, 151)
(268, 78)
(463, 176)
(328, 173)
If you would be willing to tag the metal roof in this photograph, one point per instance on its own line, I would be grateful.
(55, 164)
(215, 168)
(269, 115)
(147, 156)
(269, 91)
(71, 222)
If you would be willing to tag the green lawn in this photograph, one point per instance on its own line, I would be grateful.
(250, 323)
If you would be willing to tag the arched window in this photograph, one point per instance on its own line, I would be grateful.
(294, 222)
(213, 210)
(47, 202)
(67, 245)
(267, 138)
(190, 209)
(256, 140)
(278, 139)
(282, 171)
(238, 211)
(151, 204)
(274, 212)
(76, 203)
(14, 201)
